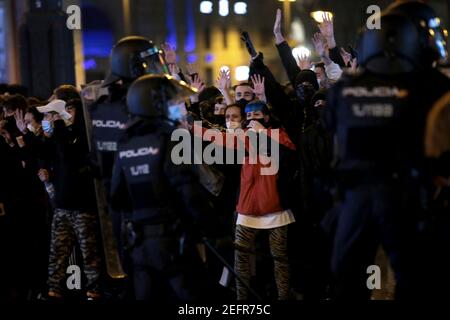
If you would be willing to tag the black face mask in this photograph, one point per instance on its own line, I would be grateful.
(242, 103)
(305, 93)
(262, 121)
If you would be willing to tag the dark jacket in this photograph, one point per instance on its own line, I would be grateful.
(72, 175)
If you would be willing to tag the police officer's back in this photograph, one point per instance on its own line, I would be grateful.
(370, 114)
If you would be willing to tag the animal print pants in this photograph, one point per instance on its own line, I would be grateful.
(245, 238)
(69, 227)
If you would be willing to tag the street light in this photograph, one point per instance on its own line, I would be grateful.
(287, 14)
(301, 52)
(206, 7)
(318, 15)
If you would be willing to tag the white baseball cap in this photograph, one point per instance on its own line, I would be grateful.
(58, 106)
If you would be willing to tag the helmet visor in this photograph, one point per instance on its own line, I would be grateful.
(154, 62)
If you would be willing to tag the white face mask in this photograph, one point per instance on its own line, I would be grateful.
(31, 128)
(231, 125)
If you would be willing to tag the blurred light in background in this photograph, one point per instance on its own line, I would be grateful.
(206, 7)
(240, 8)
(318, 15)
(209, 58)
(301, 51)
(298, 31)
(3, 44)
(189, 40)
(242, 73)
(90, 64)
(97, 43)
(192, 58)
(98, 37)
(224, 8)
(171, 23)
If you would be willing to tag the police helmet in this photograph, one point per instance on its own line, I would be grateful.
(433, 38)
(151, 95)
(392, 49)
(133, 57)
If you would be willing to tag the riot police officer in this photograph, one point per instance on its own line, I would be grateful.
(156, 190)
(370, 115)
(131, 58)
(430, 83)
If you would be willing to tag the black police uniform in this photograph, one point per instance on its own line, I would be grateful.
(159, 192)
(378, 119)
(367, 114)
(109, 118)
(131, 58)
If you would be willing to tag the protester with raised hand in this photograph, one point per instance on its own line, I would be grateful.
(332, 70)
(224, 85)
(327, 30)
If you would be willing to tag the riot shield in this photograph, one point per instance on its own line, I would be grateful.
(89, 94)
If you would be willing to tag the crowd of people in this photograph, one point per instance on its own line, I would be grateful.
(355, 171)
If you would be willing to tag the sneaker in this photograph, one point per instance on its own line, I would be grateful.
(54, 296)
(93, 296)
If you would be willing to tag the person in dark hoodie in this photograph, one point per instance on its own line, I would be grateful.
(74, 218)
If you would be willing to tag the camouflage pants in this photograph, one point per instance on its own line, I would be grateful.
(67, 228)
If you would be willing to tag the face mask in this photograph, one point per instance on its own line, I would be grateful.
(305, 93)
(262, 121)
(47, 127)
(231, 125)
(177, 112)
(242, 103)
(31, 128)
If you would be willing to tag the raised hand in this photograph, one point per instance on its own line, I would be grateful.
(174, 71)
(192, 69)
(43, 175)
(169, 53)
(304, 62)
(259, 88)
(20, 121)
(327, 29)
(197, 83)
(279, 38)
(256, 126)
(319, 44)
(354, 65)
(224, 81)
(347, 57)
